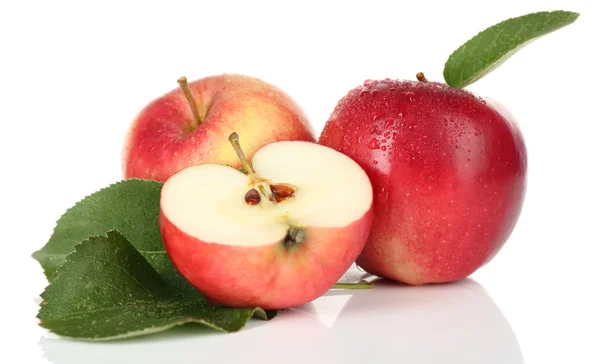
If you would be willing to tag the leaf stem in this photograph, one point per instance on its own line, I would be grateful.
(360, 285)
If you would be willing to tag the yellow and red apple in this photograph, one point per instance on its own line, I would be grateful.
(190, 125)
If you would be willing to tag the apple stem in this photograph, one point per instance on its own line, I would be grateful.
(185, 87)
(421, 77)
(360, 285)
(234, 139)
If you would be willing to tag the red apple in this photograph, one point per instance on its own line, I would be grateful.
(190, 125)
(278, 237)
(448, 171)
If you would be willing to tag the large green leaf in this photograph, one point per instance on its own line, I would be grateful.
(129, 206)
(107, 290)
(488, 49)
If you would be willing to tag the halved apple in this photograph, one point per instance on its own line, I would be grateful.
(279, 236)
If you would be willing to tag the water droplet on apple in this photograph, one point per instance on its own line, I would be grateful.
(375, 162)
(363, 93)
(370, 82)
(374, 93)
(384, 148)
(410, 96)
(373, 144)
(377, 116)
(389, 123)
(373, 130)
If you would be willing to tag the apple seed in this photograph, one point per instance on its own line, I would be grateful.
(281, 191)
(252, 197)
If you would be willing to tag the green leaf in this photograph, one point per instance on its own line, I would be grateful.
(490, 48)
(107, 290)
(129, 206)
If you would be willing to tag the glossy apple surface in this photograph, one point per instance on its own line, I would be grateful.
(448, 171)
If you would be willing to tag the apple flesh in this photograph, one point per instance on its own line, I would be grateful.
(272, 255)
(167, 137)
(448, 171)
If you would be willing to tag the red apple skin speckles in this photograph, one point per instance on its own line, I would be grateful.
(448, 172)
(269, 276)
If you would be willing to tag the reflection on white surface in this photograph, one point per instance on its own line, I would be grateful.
(453, 323)
(326, 309)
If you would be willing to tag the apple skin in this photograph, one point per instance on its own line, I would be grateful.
(268, 276)
(448, 172)
(163, 139)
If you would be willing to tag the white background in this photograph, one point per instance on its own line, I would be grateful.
(74, 74)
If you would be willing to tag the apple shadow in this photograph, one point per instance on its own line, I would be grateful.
(155, 348)
(449, 323)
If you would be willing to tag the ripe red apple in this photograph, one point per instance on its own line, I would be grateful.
(190, 125)
(448, 171)
(278, 237)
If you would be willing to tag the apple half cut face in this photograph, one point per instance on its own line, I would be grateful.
(276, 237)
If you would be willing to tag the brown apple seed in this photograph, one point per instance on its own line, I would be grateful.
(252, 197)
(281, 192)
